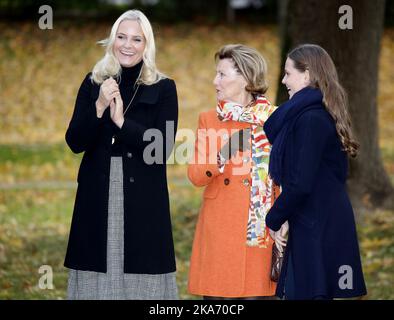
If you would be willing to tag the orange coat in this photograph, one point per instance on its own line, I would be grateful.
(221, 262)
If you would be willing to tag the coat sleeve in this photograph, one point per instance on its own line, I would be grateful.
(310, 138)
(132, 132)
(84, 124)
(204, 167)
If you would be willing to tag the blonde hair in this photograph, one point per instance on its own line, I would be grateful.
(323, 75)
(109, 65)
(249, 63)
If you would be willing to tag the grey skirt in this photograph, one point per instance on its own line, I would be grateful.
(115, 284)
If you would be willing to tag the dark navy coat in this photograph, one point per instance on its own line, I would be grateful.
(322, 233)
(148, 242)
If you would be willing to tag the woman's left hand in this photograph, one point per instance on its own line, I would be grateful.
(116, 107)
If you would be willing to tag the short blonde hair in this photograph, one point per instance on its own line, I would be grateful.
(109, 65)
(249, 63)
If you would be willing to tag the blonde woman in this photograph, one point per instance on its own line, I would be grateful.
(120, 244)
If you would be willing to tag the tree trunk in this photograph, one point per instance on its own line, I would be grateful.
(230, 13)
(356, 54)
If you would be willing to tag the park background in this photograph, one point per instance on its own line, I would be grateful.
(41, 71)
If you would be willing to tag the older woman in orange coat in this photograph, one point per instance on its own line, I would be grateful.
(232, 247)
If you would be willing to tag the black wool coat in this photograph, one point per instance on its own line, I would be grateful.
(148, 242)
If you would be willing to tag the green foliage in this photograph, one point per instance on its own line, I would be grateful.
(376, 234)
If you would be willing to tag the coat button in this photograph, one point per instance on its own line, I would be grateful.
(226, 181)
(129, 154)
(131, 179)
(245, 182)
(208, 173)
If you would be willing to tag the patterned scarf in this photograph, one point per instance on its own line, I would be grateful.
(262, 191)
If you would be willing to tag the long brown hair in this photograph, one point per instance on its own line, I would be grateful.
(323, 75)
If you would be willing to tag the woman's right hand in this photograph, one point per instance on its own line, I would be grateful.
(108, 90)
(239, 141)
(280, 236)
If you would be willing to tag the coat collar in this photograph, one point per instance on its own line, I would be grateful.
(288, 111)
(280, 124)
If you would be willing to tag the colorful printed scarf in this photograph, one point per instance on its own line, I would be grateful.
(262, 188)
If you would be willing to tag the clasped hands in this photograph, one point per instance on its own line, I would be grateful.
(109, 96)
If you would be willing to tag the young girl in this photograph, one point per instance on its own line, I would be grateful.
(311, 139)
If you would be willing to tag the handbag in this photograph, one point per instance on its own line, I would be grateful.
(277, 254)
(276, 262)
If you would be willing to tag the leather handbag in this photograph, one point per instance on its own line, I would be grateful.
(277, 254)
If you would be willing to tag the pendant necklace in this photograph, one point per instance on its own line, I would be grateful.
(135, 92)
